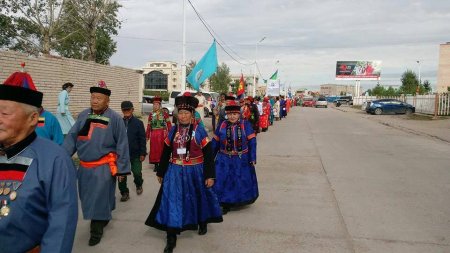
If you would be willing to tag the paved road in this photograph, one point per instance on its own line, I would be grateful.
(329, 181)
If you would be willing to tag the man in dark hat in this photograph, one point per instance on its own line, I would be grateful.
(137, 148)
(37, 178)
(100, 138)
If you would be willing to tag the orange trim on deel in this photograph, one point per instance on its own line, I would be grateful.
(91, 130)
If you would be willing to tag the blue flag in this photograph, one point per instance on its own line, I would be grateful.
(204, 68)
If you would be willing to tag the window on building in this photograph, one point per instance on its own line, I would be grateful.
(155, 80)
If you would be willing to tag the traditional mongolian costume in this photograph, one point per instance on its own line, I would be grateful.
(102, 146)
(63, 113)
(157, 130)
(38, 195)
(264, 118)
(48, 127)
(184, 202)
(235, 147)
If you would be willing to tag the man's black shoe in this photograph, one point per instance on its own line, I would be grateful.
(125, 197)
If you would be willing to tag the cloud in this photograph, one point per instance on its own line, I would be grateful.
(307, 36)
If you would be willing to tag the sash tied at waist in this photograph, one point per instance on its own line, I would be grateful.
(110, 159)
(191, 161)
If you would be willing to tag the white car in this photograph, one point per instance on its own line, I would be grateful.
(322, 102)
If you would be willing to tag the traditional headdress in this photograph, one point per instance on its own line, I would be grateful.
(157, 99)
(186, 102)
(19, 87)
(101, 88)
(232, 106)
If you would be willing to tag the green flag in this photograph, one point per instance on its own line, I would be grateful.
(274, 76)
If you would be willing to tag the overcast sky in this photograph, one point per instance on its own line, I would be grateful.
(307, 37)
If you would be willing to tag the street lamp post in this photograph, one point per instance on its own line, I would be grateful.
(420, 80)
(254, 72)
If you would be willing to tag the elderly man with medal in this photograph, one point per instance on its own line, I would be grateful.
(38, 196)
(234, 144)
(185, 200)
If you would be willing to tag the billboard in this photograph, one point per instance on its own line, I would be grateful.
(358, 70)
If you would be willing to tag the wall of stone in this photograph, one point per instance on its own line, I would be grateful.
(50, 73)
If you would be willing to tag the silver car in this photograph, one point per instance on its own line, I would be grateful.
(147, 105)
(322, 102)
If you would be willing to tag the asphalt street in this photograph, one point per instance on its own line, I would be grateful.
(329, 181)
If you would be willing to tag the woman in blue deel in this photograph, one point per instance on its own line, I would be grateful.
(185, 200)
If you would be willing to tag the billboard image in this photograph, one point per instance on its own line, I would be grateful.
(358, 70)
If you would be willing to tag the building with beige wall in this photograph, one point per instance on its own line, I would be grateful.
(336, 89)
(248, 79)
(162, 76)
(165, 76)
(49, 73)
(443, 82)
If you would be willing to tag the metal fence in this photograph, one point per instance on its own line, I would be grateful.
(435, 104)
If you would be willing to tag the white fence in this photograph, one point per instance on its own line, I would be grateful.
(436, 104)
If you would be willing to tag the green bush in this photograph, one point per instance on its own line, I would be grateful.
(163, 94)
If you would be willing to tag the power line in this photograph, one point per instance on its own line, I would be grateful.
(210, 30)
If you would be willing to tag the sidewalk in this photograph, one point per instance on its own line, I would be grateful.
(416, 124)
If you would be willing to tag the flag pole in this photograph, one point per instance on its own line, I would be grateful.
(254, 73)
(183, 63)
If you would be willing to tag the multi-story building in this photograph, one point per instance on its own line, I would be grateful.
(336, 89)
(165, 76)
(443, 82)
(162, 76)
(248, 84)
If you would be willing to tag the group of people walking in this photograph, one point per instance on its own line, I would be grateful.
(201, 176)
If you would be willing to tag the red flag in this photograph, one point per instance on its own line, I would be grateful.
(241, 88)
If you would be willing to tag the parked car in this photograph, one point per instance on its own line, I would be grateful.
(147, 105)
(308, 102)
(343, 100)
(322, 102)
(390, 106)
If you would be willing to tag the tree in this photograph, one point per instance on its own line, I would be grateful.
(378, 90)
(427, 86)
(221, 80)
(189, 68)
(34, 24)
(93, 23)
(390, 92)
(409, 82)
(6, 31)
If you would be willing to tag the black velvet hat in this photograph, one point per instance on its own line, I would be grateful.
(101, 88)
(188, 103)
(21, 95)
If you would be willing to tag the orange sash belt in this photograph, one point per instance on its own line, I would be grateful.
(109, 159)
